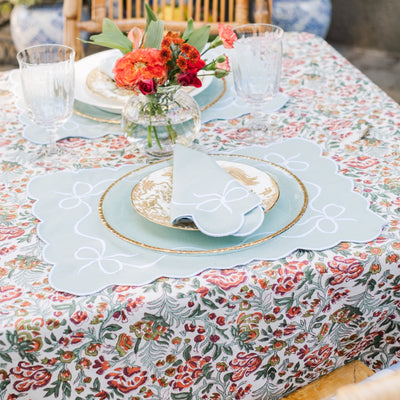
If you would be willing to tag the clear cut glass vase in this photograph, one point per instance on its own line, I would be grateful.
(155, 122)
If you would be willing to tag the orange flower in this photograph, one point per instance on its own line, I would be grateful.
(139, 65)
(166, 42)
(182, 63)
(166, 54)
(193, 55)
(174, 37)
(186, 47)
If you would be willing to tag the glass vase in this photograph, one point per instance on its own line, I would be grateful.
(155, 122)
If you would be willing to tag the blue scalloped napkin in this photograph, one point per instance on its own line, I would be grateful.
(204, 193)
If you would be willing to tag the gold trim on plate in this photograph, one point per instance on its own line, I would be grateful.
(211, 251)
(108, 121)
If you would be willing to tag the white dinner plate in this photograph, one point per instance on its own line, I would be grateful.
(87, 65)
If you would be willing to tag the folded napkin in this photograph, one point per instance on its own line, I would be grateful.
(204, 193)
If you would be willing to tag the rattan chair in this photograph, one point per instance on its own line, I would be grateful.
(326, 386)
(175, 13)
(353, 381)
(385, 387)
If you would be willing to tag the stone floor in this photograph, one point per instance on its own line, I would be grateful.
(381, 67)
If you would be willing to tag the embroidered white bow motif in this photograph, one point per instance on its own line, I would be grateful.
(216, 200)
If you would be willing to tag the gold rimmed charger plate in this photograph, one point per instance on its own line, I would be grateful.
(118, 215)
(151, 197)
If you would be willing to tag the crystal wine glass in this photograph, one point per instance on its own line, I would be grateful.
(47, 76)
(256, 66)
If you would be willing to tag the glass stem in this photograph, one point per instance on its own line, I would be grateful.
(52, 145)
(259, 121)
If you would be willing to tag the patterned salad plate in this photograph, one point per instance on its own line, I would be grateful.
(151, 197)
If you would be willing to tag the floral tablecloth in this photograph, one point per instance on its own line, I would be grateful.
(257, 331)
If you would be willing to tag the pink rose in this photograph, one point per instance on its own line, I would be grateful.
(189, 79)
(148, 86)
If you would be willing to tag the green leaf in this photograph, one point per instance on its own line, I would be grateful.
(198, 39)
(227, 376)
(96, 384)
(182, 396)
(5, 357)
(217, 352)
(154, 35)
(209, 303)
(111, 37)
(150, 16)
(66, 387)
(228, 350)
(189, 29)
(186, 353)
(112, 327)
(208, 347)
(137, 344)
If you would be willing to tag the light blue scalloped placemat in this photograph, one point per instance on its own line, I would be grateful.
(87, 257)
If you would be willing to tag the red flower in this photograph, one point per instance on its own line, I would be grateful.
(10, 232)
(101, 395)
(190, 328)
(293, 311)
(189, 372)
(199, 338)
(244, 364)
(189, 79)
(196, 66)
(345, 269)
(127, 379)
(227, 35)
(148, 86)
(203, 291)
(226, 279)
(30, 377)
(9, 293)
(101, 364)
(78, 317)
(318, 357)
(362, 162)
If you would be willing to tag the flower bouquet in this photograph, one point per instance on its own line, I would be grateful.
(154, 66)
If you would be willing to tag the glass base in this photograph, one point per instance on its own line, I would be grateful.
(50, 150)
(260, 126)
